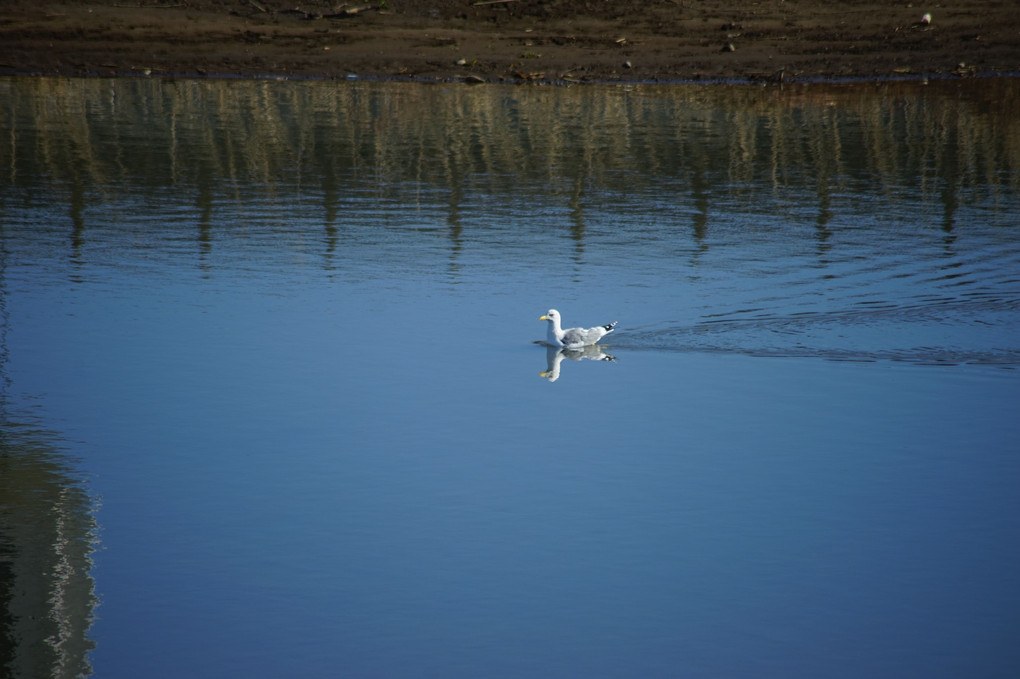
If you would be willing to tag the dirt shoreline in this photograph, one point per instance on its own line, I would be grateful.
(512, 40)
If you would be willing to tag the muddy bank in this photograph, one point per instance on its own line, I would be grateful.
(511, 40)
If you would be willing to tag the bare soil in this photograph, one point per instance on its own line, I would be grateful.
(512, 40)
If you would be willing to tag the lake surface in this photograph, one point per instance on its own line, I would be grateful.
(272, 404)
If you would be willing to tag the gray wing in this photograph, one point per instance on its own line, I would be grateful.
(574, 336)
(582, 336)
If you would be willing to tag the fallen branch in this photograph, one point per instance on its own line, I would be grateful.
(492, 2)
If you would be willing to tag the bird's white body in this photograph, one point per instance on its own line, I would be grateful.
(572, 338)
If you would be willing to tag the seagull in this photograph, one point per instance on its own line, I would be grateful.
(572, 338)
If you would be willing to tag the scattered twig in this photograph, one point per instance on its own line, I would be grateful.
(141, 6)
(341, 12)
(492, 2)
(348, 12)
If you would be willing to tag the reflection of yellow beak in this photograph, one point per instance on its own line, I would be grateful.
(544, 318)
(544, 374)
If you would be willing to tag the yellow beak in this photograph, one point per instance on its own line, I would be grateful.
(544, 318)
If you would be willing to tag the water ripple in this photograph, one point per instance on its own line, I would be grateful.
(980, 328)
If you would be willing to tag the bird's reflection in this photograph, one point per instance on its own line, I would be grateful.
(555, 355)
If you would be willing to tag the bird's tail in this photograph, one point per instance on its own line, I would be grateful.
(609, 328)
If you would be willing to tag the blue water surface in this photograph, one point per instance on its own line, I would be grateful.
(285, 336)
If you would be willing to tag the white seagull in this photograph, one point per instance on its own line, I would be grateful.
(572, 338)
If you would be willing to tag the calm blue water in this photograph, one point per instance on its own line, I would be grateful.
(272, 404)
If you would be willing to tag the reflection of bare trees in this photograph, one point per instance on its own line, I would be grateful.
(342, 144)
(46, 536)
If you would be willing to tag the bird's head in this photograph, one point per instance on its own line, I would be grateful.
(551, 315)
